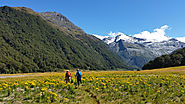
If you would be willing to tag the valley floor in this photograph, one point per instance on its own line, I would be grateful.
(159, 86)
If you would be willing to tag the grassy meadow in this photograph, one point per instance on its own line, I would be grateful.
(98, 87)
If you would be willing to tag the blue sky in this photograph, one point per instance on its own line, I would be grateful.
(126, 16)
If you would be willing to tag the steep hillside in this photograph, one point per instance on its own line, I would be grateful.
(30, 44)
(177, 58)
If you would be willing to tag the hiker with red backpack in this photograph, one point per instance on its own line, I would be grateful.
(68, 76)
(78, 76)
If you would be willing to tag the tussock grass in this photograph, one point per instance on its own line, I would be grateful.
(159, 86)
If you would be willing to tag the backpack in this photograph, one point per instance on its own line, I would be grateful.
(79, 74)
(69, 74)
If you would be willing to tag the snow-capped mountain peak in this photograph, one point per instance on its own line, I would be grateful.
(139, 51)
(115, 37)
(123, 37)
(143, 47)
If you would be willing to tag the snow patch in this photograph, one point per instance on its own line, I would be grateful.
(119, 36)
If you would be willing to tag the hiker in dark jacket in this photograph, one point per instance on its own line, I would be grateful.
(78, 76)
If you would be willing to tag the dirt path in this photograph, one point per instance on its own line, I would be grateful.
(10, 76)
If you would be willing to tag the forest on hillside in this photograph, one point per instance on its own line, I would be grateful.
(29, 44)
(177, 58)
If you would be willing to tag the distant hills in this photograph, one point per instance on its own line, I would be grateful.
(139, 51)
(176, 58)
(33, 42)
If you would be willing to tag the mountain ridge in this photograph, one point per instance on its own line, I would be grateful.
(30, 44)
(61, 21)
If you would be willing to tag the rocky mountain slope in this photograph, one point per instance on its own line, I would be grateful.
(138, 51)
(28, 43)
(61, 21)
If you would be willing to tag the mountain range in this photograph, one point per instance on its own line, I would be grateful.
(40, 42)
(48, 41)
(138, 51)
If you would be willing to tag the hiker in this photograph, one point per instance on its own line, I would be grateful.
(68, 76)
(78, 76)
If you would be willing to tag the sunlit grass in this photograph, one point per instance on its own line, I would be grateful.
(150, 86)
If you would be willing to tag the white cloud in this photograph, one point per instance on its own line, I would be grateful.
(182, 39)
(156, 36)
(99, 36)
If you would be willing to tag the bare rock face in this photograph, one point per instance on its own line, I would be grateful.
(60, 20)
